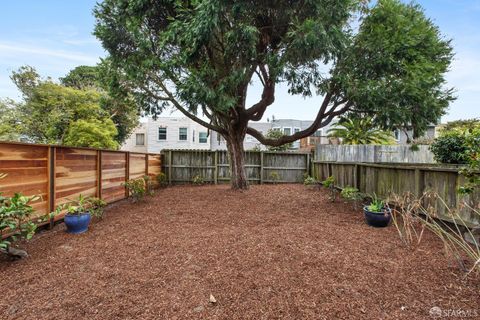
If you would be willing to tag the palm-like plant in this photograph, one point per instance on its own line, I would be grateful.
(360, 130)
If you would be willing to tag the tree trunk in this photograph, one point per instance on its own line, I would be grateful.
(237, 159)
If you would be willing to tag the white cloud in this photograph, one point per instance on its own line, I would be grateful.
(13, 49)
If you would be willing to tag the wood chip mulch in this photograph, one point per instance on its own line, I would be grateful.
(272, 252)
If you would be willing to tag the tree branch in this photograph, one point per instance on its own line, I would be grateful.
(323, 118)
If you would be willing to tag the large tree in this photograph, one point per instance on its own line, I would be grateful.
(55, 114)
(201, 56)
(120, 105)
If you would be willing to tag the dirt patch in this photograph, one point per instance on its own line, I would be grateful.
(272, 252)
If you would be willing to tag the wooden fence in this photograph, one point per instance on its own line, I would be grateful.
(374, 153)
(181, 166)
(57, 173)
(382, 179)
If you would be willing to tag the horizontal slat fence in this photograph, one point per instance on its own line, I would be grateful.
(58, 173)
(181, 166)
(382, 179)
(374, 153)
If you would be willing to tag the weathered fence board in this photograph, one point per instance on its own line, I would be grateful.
(58, 174)
(181, 166)
(374, 153)
(383, 179)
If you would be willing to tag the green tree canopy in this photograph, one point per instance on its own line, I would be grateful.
(360, 130)
(121, 105)
(275, 134)
(51, 113)
(92, 133)
(9, 121)
(201, 56)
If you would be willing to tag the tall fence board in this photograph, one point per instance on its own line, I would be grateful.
(181, 166)
(383, 179)
(374, 153)
(58, 174)
(27, 172)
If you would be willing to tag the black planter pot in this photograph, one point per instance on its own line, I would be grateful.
(378, 219)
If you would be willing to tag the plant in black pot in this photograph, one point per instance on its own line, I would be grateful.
(80, 211)
(377, 214)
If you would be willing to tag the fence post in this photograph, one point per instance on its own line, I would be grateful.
(308, 164)
(51, 182)
(261, 167)
(169, 166)
(99, 174)
(418, 182)
(215, 170)
(127, 171)
(357, 176)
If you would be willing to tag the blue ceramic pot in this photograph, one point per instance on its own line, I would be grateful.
(377, 219)
(77, 223)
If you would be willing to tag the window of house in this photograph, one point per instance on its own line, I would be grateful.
(140, 139)
(249, 138)
(193, 135)
(276, 128)
(202, 137)
(318, 133)
(162, 133)
(396, 133)
(182, 134)
(287, 131)
(295, 130)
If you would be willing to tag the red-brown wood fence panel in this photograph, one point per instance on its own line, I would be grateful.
(58, 174)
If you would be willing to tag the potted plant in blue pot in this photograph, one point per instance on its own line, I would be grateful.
(80, 211)
(377, 214)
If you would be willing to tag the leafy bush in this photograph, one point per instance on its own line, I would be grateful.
(15, 216)
(198, 180)
(274, 176)
(329, 182)
(451, 148)
(308, 181)
(472, 171)
(137, 188)
(162, 180)
(351, 193)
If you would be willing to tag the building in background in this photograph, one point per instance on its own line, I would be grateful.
(183, 133)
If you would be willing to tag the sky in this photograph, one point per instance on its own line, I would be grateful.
(54, 36)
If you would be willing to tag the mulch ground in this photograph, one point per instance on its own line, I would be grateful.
(272, 252)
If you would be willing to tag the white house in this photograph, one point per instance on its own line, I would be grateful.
(167, 133)
(183, 133)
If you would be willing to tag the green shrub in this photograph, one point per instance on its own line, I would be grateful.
(162, 180)
(329, 182)
(308, 181)
(274, 176)
(198, 180)
(350, 193)
(451, 148)
(137, 188)
(15, 216)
